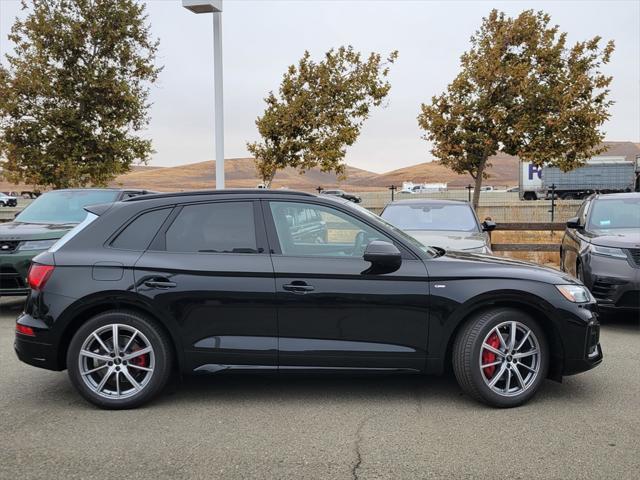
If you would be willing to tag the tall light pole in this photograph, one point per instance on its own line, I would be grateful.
(215, 7)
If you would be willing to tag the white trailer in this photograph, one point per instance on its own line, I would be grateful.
(603, 174)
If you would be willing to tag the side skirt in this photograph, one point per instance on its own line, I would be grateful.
(210, 368)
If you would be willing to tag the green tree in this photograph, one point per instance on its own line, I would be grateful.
(319, 111)
(75, 91)
(521, 91)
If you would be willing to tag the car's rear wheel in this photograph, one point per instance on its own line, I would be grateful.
(119, 360)
(500, 357)
(1, 204)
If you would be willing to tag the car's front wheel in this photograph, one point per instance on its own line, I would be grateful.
(500, 357)
(119, 360)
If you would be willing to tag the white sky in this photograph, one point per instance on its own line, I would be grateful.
(261, 38)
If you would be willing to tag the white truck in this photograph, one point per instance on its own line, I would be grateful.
(599, 174)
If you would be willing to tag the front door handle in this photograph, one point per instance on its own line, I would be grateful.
(298, 287)
(160, 284)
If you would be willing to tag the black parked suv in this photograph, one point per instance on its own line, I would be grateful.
(205, 282)
(601, 247)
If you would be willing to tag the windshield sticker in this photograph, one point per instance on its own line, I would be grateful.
(605, 222)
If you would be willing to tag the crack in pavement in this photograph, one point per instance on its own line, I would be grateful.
(358, 462)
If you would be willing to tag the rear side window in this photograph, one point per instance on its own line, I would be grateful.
(220, 227)
(139, 233)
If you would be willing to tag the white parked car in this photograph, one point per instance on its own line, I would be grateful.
(8, 200)
(448, 224)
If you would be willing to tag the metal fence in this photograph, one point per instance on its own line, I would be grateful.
(500, 206)
(528, 227)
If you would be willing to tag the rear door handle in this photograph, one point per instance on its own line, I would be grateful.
(160, 284)
(298, 287)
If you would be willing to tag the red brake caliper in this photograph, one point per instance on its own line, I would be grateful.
(490, 357)
(141, 360)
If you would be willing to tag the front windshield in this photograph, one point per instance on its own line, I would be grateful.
(64, 206)
(615, 213)
(439, 217)
(408, 238)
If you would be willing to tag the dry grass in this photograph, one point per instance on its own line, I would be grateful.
(551, 259)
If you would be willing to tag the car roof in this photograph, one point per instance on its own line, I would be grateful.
(112, 189)
(428, 201)
(237, 191)
(612, 196)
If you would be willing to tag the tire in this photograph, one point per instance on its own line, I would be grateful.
(149, 371)
(468, 356)
(2, 204)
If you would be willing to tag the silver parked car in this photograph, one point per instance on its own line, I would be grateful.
(448, 224)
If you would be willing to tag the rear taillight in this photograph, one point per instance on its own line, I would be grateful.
(38, 275)
(24, 330)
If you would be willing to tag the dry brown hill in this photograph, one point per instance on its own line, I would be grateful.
(504, 171)
(239, 172)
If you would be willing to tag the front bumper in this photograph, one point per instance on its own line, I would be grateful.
(579, 334)
(591, 355)
(615, 283)
(13, 272)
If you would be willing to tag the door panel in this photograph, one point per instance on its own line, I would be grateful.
(222, 304)
(221, 298)
(351, 319)
(330, 312)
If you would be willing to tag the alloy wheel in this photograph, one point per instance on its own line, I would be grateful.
(116, 361)
(510, 358)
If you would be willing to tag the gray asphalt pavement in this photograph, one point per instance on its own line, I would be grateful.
(324, 427)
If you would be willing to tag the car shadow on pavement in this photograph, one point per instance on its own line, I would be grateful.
(310, 388)
(320, 390)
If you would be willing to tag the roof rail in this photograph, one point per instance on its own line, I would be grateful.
(236, 191)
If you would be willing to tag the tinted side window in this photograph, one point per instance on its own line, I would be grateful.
(221, 227)
(305, 229)
(139, 233)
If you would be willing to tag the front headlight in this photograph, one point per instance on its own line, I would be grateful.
(608, 251)
(575, 293)
(37, 244)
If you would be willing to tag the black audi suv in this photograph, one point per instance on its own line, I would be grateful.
(208, 282)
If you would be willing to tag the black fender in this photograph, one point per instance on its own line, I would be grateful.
(443, 329)
(84, 308)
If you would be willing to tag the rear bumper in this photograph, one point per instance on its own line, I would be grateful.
(36, 350)
(35, 353)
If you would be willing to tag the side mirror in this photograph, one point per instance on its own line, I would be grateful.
(574, 223)
(384, 257)
(488, 225)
